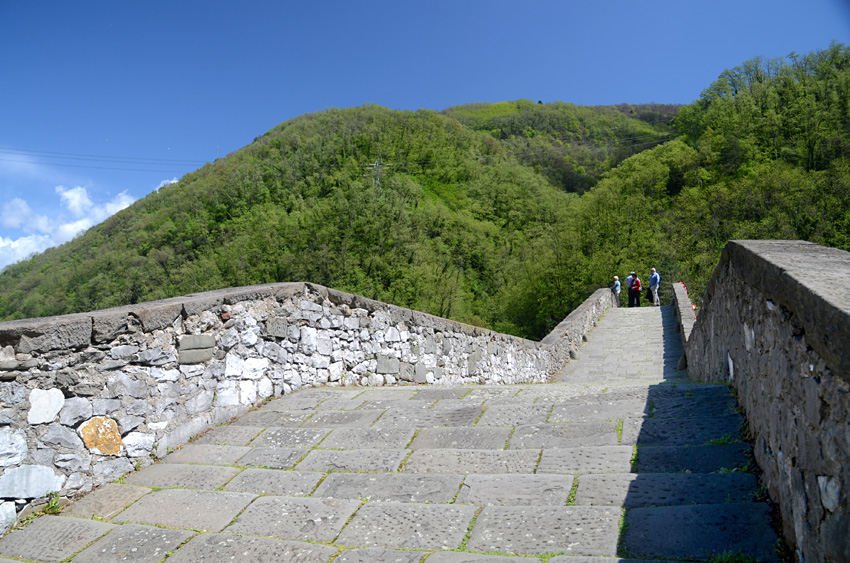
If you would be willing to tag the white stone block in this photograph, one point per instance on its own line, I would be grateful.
(45, 405)
(247, 392)
(255, 368)
(13, 447)
(227, 394)
(234, 366)
(265, 388)
(138, 444)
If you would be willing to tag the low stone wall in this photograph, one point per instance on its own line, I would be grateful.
(774, 323)
(88, 397)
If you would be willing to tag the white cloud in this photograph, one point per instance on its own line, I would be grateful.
(17, 214)
(12, 251)
(76, 200)
(167, 182)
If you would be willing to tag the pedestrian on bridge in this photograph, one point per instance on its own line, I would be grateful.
(633, 284)
(654, 283)
(615, 289)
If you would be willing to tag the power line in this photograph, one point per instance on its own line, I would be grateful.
(108, 158)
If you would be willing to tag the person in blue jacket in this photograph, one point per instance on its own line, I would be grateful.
(654, 282)
(615, 289)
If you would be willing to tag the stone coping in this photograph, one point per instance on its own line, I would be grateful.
(811, 280)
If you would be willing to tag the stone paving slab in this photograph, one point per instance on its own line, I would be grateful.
(385, 461)
(700, 532)
(462, 557)
(472, 461)
(696, 459)
(230, 435)
(208, 454)
(685, 432)
(580, 530)
(693, 407)
(515, 490)
(295, 518)
(536, 436)
(425, 418)
(369, 438)
(389, 393)
(434, 489)
(52, 538)
(571, 461)
(275, 482)
(340, 404)
(457, 403)
(134, 542)
(324, 393)
(168, 475)
(514, 415)
(664, 489)
(379, 555)
(292, 403)
(268, 418)
(599, 411)
(106, 501)
(274, 458)
(298, 438)
(215, 548)
(342, 419)
(408, 526)
(582, 559)
(432, 395)
(384, 404)
(463, 438)
(207, 511)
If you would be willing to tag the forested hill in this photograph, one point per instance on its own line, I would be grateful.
(501, 215)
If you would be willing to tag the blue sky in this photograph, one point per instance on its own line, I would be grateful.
(103, 102)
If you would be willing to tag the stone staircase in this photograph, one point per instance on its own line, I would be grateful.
(622, 457)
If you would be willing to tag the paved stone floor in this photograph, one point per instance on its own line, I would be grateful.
(621, 459)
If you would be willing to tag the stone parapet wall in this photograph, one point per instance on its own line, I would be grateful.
(774, 323)
(86, 398)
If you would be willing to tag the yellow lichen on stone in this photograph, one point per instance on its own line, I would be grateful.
(101, 436)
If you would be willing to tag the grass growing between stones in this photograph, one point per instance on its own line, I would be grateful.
(465, 543)
(571, 498)
(731, 557)
(619, 429)
(634, 460)
(622, 550)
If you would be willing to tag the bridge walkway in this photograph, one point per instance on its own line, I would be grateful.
(620, 457)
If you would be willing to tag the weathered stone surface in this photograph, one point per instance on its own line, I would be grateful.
(689, 432)
(52, 538)
(564, 435)
(572, 461)
(472, 461)
(704, 459)
(133, 541)
(462, 438)
(8, 515)
(124, 384)
(30, 481)
(514, 415)
(249, 549)
(101, 436)
(58, 435)
(461, 557)
(414, 526)
(515, 490)
(338, 419)
(139, 444)
(353, 460)
(75, 410)
(44, 405)
(419, 418)
(275, 483)
(189, 357)
(208, 511)
(13, 447)
(432, 489)
(290, 437)
(277, 458)
(289, 518)
(378, 555)
(368, 438)
(207, 454)
(106, 501)
(660, 489)
(195, 342)
(579, 530)
(700, 532)
(230, 435)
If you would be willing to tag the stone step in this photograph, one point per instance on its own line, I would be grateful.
(699, 533)
(630, 490)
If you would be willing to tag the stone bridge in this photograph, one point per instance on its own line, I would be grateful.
(360, 431)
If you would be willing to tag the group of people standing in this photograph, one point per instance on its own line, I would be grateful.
(633, 285)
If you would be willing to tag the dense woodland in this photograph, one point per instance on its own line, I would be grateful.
(502, 215)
